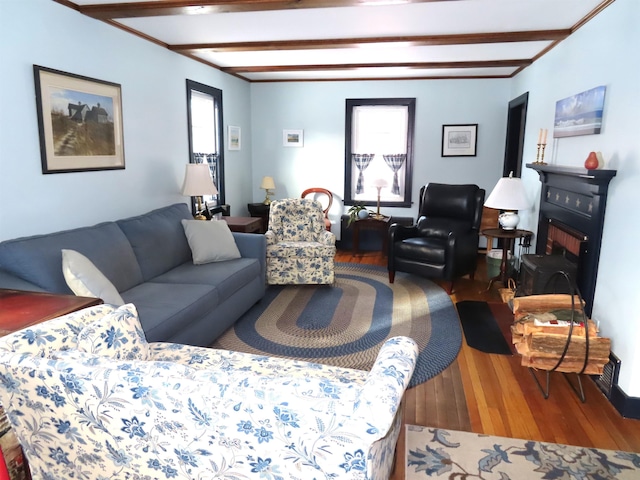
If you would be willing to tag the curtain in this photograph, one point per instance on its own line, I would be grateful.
(395, 162)
(362, 161)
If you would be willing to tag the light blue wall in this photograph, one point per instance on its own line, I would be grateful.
(155, 125)
(603, 52)
(318, 108)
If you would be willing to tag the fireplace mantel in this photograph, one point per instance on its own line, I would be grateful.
(576, 197)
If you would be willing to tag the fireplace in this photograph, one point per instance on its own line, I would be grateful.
(571, 219)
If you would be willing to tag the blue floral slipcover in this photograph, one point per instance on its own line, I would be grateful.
(193, 413)
(299, 248)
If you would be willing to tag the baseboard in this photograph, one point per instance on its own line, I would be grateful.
(629, 407)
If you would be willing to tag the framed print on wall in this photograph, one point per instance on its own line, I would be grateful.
(79, 121)
(234, 138)
(292, 138)
(459, 140)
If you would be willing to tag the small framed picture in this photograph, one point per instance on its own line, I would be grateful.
(79, 121)
(459, 140)
(292, 138)
(235, 140)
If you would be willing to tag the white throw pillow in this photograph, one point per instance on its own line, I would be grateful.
(210, 241)
(85, 280)
(117, 335)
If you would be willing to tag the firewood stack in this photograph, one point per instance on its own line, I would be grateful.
(540, 331)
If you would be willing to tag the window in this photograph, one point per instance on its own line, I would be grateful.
(379, 151)
(204, 114)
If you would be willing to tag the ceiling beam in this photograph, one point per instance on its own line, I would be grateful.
(358, 66)
(159, 8)
(407, 41)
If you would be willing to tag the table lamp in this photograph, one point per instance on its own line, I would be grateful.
(267, 184)
(198, 182)
(509, 195)
(379, 183)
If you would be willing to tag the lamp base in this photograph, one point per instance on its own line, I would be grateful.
(508, 220)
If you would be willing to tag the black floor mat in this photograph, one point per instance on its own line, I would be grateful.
(480, 328)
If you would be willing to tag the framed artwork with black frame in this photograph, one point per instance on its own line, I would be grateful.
(79, 121)
(459, 140)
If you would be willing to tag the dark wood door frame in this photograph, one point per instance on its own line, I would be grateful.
(516, 122)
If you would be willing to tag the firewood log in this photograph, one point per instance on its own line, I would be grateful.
(536, 303)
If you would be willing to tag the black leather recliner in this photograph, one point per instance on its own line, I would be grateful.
(444, 242)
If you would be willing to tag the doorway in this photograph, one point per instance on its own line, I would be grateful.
(514, 148)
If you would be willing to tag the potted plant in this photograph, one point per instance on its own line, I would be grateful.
(357, 212)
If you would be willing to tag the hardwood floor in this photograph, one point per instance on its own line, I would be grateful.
(494, 394)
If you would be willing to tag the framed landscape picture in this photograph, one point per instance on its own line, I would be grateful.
(79, 121)
(234, 138)
(292, 138)
(459, 140)
(580, 114)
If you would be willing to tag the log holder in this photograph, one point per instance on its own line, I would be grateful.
(579, 391)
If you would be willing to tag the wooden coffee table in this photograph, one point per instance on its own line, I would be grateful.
(244, 224)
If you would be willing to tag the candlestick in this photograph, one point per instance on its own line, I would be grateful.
(540, 154)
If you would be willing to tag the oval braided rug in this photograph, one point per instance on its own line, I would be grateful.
(345, 324)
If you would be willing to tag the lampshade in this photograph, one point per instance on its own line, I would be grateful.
(380, 183)
(197, 181)
(508, 194)
(268, 183)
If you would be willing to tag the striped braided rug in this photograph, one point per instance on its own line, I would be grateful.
(345, 324)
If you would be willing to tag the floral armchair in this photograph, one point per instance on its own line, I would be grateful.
(89, 399)
(299, 248)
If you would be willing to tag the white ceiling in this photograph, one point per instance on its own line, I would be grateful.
(352, 39)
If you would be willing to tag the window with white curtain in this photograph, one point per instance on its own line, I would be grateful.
(379, 151)
(204, 112)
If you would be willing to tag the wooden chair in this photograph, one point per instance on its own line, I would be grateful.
(329, 201)
(489, 220)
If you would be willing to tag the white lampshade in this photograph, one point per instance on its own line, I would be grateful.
(197, 181)
(508, 194)
(380, 183)
(268, 183)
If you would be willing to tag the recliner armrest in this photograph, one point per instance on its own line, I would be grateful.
(398, 232)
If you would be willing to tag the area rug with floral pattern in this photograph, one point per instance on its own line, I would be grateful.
(449, 454)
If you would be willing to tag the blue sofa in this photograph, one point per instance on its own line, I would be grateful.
(148, 260)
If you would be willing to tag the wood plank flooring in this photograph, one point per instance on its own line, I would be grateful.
(493, 394)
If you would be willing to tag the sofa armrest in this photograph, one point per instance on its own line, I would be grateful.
(252, 245)
(327, 238)
(382, 393)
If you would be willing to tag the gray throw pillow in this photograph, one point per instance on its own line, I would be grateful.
(210, 241)
(86, 280)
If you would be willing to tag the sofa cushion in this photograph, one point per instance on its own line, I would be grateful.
(117, 335)
(210, 241)
(38, 259)
(165, 309)
(84, 279)
(228, 277)
(158, 239)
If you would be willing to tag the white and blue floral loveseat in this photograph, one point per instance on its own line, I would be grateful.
(89, 398)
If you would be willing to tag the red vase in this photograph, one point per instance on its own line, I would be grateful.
(591, 163)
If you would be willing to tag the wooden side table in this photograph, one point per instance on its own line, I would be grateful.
(20, 309)
(508, 237)
(244, 224)
(380, 225)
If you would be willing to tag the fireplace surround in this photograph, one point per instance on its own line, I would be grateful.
(571, 219)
